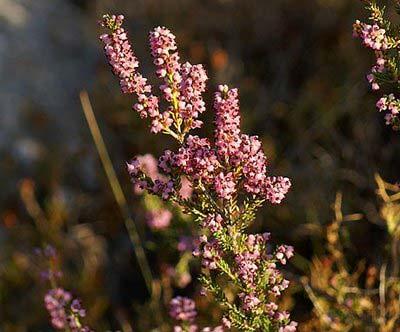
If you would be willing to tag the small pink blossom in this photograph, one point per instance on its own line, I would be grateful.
(291, 327)
(186, 188)
(249, 301)
(213, 223)
(163, 188)
(284, 252)
(192, 87)
(183, 309)
(186, 243)
(226, 322)
(159, 219)
(197, 159)
(65, 311)
(146, 164)
(227, 123)
(225, 185)
(373, 36)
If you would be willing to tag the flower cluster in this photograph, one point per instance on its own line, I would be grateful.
(373, 36)
(210, 252)
(228, 138)
(183, 310)
(149, 166)
(235, 158)
(159, 186)
(124, 65)
(383, 40)
(252, 267)
(182, 85)
(193, 85)
(229, 180)
(65, 312)
(48, 255)
(391, 104)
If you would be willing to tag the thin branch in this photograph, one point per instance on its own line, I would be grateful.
(382, 293)
(313, 298)
(33, 208)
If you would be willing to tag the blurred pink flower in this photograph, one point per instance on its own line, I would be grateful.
(159, 219)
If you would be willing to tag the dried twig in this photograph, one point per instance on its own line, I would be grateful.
(117, 190)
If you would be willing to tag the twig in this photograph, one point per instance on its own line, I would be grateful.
(313, 298)
(32, 206)
(395, 256)
(117, 190)
(382, 293)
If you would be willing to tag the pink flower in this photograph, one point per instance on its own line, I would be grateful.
(133, 167)
(56, 301)
(371, 79)
(165, 162)
(163, 188)
(271, 308)
(373, 36)
(197, 159)
(121, 57)
(382, 104)
(225, 185)
(124, 65)
(254, 164)
(65, 311)
(284, 252)
(192, 86)
(163, 49)
(146, 164)
(183, 87)
(226, 322)
(276, 188)
(291, 327)
(391, 104)
(227, 122)
(213, 223)
(186, 243)
(186, 188)
(209, 251)
(247, 265)
(231, 167)
(282, 315)
(182, 309)
(249, 301)
(159, 219)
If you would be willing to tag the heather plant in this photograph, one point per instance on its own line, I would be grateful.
(65, 311)
(382, 37)
(364, 297)
(228, 178)
(298, 74)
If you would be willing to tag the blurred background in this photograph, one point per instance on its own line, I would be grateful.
(302, 85)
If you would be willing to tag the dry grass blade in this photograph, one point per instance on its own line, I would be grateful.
(116, 189)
